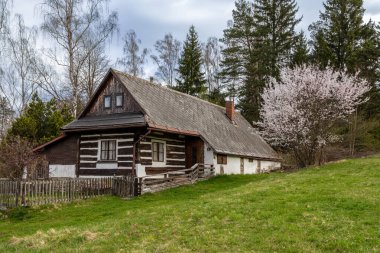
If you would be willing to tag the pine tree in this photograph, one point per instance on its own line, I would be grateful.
(342, 40)
(300, 54)
(191, 78)
(259, 41)
(275, 22)
(239, 45)
(337, 34)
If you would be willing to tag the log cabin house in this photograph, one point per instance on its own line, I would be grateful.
(131, 125)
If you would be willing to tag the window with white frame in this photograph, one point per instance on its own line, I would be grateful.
(119, 100)
(107, 102)
(158, 151)
(108, 150)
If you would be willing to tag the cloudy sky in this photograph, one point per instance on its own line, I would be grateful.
(151, 19)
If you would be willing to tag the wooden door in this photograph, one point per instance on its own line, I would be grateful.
(241, 165)
(194, 151)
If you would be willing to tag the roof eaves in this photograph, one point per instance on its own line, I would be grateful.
(153, 126)
(49, 142)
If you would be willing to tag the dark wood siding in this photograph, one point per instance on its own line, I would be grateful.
(63, 152)
(113, 88)
(89, 152)
(175, 152)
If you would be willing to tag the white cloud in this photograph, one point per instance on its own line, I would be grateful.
(151, 19)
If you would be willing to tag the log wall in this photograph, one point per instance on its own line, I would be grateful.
(175, 152)
(90, 163)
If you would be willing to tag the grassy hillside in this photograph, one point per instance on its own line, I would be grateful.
(335, 208)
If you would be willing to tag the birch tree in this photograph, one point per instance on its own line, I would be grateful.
(168, 51)
(69, 23)
(94, 70)
(133, 61)
(212, 66)
(4, 22)
(6, 116)
(299, 112)
(4, 17)
(19, 84)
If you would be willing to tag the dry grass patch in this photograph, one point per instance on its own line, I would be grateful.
(41, 240)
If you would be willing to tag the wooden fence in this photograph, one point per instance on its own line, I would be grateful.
(162, 181)
(39, 192)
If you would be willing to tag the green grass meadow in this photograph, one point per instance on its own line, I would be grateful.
(334, 208)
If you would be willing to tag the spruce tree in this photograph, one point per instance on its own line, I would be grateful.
(342, 40)
(337, 34)
(300, 54)
(259, 41)
(274, 22)
(191, 78)
(239, 45)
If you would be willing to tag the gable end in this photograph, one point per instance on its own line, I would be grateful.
(112, 87)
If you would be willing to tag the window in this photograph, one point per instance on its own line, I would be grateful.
(119, 100)
(107, 102)
(158, 152)
(108, 150)
(221, 159)
(250, 160)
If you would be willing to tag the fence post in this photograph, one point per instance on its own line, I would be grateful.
(70, 195)
(137, 189)
(17, 192)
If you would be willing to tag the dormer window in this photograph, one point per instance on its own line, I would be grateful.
(119, 100)
(107, 102)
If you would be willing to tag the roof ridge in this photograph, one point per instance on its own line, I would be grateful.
(166, 88)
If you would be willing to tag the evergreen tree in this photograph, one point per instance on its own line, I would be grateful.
(366, 60)
(239, 46)
(258, 42)
(301, 54)
(274, 22)
(41, 121)
(337, 34)
(342, 40)
(191, 78)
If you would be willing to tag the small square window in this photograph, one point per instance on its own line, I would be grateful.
(250, 160)
(119, 100)
(221, 159)
(107, 102)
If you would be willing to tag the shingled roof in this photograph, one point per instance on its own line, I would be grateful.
(106, 121)
(169, 109)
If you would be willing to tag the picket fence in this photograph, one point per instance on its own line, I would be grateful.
(40, 192)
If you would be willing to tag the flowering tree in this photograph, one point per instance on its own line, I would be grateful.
(299, 112)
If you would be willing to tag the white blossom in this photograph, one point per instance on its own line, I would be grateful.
(299, 111)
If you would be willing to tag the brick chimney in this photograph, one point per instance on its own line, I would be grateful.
(230, 110)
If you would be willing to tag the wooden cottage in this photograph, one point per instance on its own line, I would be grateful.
(131, 125)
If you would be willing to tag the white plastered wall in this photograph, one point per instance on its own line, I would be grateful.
(56, 170)
(233, 164)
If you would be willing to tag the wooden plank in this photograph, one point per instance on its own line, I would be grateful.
(171, 162)
(125, 151)
(88, 145)
(93, 152)
(86, 165)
